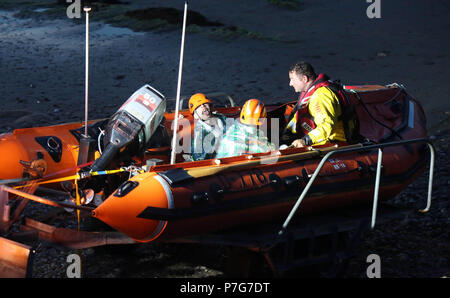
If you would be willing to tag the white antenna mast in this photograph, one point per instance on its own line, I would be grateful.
(86, 85)
(177, 103)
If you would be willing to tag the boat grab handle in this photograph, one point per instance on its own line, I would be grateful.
(377, 179)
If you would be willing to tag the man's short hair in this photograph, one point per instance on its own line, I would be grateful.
(303, 68)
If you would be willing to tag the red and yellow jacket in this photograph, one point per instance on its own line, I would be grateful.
(324, 108)
(318, 114)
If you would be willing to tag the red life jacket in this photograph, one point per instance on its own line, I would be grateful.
(304, 120)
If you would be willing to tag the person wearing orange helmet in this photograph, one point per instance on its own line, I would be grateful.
(209, 127)
(245, 135)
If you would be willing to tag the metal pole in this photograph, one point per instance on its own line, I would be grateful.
(305, 191)
(177, 103)
(86, 85)
(363, 149)
(430, 179)
(43, 200)
(377, 187)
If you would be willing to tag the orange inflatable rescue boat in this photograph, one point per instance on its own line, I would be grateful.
(147, 198)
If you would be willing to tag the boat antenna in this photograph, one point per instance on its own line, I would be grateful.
(177, 103)
(86, 84)
(85, 140)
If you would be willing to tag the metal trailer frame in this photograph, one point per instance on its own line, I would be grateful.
(337, 226)
(267, 238)
(324, 242)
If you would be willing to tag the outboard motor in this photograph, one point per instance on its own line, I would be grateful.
(134, 123)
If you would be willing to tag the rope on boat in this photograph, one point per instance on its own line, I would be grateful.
(86, 174)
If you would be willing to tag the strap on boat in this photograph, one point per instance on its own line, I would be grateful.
(174, 176)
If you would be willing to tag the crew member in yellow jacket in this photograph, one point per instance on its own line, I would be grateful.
(318, 109)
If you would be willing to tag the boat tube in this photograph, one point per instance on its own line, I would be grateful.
(162, 201)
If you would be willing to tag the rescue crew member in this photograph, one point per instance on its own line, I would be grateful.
(209, 127)
(318, 109)
(245, 135)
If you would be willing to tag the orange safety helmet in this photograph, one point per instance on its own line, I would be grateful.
(197, 100)
(253, 112)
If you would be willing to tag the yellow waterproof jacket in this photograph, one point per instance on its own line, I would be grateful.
(325, 109)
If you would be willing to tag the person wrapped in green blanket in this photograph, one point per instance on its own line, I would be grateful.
(245, 135)
(209, 127)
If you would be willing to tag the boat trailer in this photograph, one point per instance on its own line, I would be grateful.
(318, 244)
(326, 240)
(319, 239)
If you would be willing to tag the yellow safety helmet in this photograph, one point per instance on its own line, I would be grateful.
(253, 112)
(197, 100)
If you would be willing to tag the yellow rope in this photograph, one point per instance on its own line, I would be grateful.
(73, 177)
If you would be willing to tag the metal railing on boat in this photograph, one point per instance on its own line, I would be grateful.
(379, 147)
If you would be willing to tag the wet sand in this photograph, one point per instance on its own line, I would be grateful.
(42, 61)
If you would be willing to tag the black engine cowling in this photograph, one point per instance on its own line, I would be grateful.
(132, 125)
